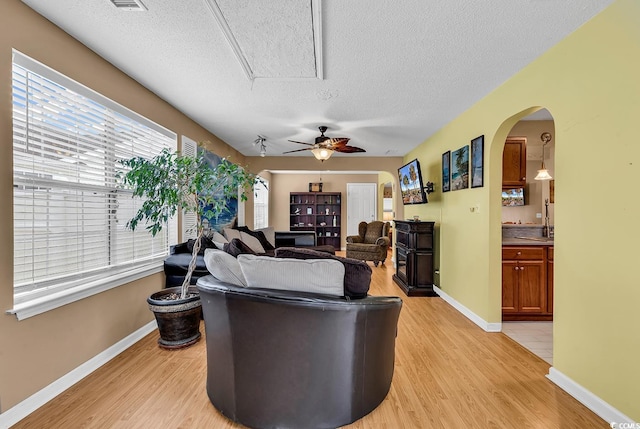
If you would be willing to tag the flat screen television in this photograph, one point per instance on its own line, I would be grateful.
(513, 197)
(411, 186)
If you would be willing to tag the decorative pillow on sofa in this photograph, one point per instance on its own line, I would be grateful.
(224, 267)
(237, 247)
(269, 233)
(357, 274)
(259, 235)
(312, 275)
(205, 243)
(219, 240)
(230, 234)
(252, 242)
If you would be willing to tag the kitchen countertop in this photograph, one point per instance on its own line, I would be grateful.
(512, 241)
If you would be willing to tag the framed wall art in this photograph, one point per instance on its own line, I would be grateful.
(477, 162)
(446, 171)
(460, 168)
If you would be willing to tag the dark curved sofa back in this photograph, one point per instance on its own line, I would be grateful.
(286, 359)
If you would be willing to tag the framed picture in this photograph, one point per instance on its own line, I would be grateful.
(446, 171)
(315, 187)
(460, 168)
(477, 162)
(552, 191)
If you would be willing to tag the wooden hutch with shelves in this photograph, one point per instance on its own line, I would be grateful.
(318, 212)
(414, 257)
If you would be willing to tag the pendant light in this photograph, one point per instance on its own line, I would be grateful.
(543, 173)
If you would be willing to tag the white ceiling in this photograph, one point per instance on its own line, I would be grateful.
(393, 72)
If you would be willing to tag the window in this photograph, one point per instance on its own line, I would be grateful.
(69, 215)
(261, 204)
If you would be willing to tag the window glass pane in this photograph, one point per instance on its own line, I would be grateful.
(69, 215)
(261, 205)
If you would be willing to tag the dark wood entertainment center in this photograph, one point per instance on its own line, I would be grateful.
(414, 257)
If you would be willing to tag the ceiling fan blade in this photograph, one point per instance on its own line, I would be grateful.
(308, 144)
(341, 141)
(297, 150)
(348, 149)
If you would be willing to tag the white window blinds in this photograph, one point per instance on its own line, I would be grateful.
(260, 204)
(69, 215)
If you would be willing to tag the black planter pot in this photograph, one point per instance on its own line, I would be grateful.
(178, 320)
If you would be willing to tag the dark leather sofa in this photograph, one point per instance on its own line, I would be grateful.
(281, 359)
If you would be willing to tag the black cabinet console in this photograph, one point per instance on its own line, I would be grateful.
(414, 257)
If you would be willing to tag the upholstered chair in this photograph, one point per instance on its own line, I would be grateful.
(371, 243)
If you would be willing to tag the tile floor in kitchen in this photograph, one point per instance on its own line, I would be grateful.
(537, 337)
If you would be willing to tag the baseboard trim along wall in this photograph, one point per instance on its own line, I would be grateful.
(588, 399)
(23, 409)
(488, 327)
(582, 395)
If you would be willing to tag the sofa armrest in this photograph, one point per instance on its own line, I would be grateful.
(383, 241)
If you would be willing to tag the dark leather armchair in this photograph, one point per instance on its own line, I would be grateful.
(294, 359)
(371, 243)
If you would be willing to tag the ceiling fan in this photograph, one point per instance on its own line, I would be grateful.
(324, 146)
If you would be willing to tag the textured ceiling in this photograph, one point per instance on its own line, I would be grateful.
(394, 72)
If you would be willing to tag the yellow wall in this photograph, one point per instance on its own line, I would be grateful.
(37, 351)
(589, 82)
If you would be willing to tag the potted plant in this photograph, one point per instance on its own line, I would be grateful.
(170, 182)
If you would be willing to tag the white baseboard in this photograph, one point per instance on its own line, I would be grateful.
(582, 395)
(488, 327)
(588, 399)
(23, 409)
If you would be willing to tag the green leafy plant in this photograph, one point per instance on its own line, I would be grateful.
(171, 181)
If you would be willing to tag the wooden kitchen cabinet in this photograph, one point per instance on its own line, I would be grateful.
(525, 283)
(550, 280)
(514, 162)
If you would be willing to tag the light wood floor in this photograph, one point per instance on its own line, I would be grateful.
(448, 374)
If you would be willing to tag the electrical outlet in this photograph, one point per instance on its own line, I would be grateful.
(538, 215)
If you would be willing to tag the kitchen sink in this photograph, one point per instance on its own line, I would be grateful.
(542, 239)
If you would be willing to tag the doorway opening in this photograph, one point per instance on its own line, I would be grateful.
(528, 206)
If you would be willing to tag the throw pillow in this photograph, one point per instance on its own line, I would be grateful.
(311, 275)
(230, 233)
(219, 240)
(252, 242)
(181, 248)
(357, 274)
(236, 247)
(205, 243)
(224, 267)
(270, 234)
(259, 235)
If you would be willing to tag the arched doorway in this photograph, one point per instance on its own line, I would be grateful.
(527, 209)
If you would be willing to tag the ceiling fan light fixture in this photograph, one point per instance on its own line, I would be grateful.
(322, 153)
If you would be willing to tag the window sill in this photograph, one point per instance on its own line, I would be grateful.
(55, 300)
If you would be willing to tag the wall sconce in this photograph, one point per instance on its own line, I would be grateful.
(263, 148)
(543, 174)
(428, 187)
(322, 153)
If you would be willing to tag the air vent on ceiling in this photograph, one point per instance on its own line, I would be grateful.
(130, 5)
